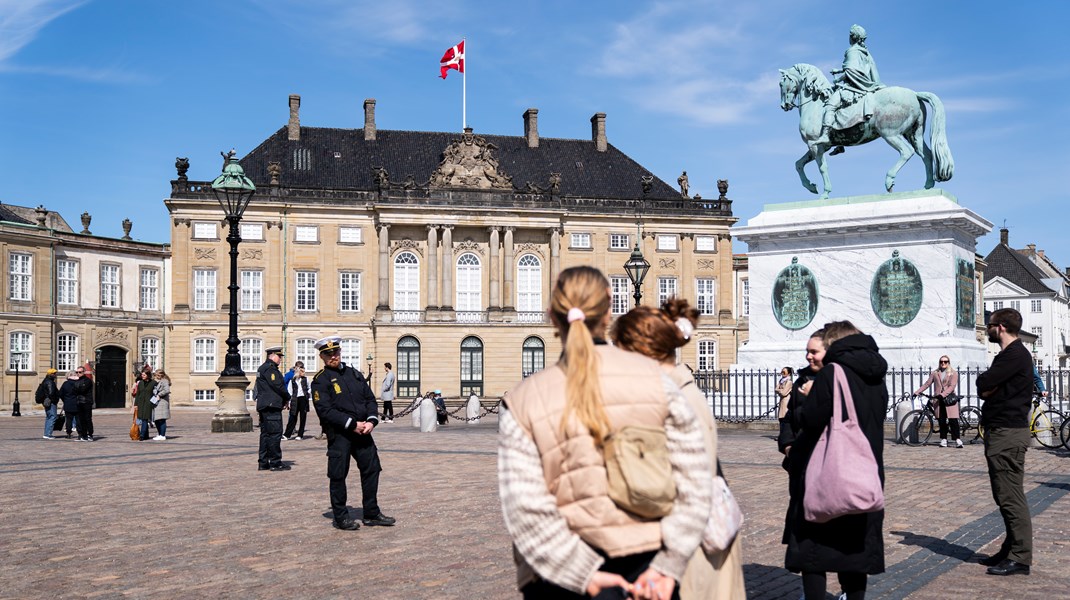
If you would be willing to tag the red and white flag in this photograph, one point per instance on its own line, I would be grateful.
(452, 59)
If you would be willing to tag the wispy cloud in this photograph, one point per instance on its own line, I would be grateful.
(21, 20)
(403, 22)
(86, 74)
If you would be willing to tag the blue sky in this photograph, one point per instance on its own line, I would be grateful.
(99, 97)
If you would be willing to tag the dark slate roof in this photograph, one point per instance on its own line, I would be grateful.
(585, 172)
(7, 214)
(1003, 261)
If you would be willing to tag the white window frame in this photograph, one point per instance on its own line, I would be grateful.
(350, 352)
(203, 230)
(349, 291)
(706, 357)
(1036, 306)
(997, 305)
(150, 351)
(205, 395)
(529, 284)
(204, 289)
(668, 242)
(706, 295)
(251, 282)
(20, 276)
(469, 283)
(619, 241)
(20, 343)
(204, 355)
(307, 233)
(1016, 305)
(350, 235)
(306, 287)
(110, 286)
(66, 281)
(251, 232)
(667, 288)
(620, 290)
(252, 350)
(1039, 332)
(305, 351)
(150, 288)
(705, 243)
(744, 293)
(580, 241)
(406, 281)
(66, 352)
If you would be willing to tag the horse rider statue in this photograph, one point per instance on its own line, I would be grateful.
(852, 84)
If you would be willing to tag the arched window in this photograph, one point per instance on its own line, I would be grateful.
(529, 289)
(408, 367)
(66, 352)
(707, 355)
(469, 283)
(534, 356)
(252, 354)
(406, 282)
(471, 367)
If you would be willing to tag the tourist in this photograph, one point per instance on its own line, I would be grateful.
(852, 546)
(944, 381)
(387, 393)
(271, 398)
(658, 333)
(440, 407)
(50, 402)
(82, 390)
(783, 391)
(143, 392)
(575, 539)
(299, 394)
(1006, 389)
(162, 411)
(70, 402)
(789, 427)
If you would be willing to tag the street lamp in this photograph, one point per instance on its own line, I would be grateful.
(637, 266)
(234, 191)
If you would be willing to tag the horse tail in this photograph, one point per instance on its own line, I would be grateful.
(943, 163)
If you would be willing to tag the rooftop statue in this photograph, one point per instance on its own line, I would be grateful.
(858, 109)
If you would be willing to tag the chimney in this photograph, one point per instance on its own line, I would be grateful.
(293, 128)
(1031, 248)
(531, 127)
(1004, 236)
(369, 119)
(1040, 253)
(598, 131)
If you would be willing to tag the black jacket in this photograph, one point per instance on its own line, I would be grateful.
(1007, 388)
(270, 391)
(343, 398)
(852, 543)
(788, 428)
(51, 391)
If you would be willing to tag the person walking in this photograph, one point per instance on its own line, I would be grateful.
(346, 405)
(711, 572)
(783, 391)
(852, 546)
(143, 393)
(570, 538)
(161, 412)
(944, 381)
(1006, 391)
(70, 401)
(50, 402)
(271, 399)
(387, 394)
(299, 393)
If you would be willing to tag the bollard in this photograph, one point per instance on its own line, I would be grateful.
(428, 416)
(901, 411)
(416, 414)
(473, 410)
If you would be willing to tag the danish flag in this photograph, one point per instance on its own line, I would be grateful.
(453, 59)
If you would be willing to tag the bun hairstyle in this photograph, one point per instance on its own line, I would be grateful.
(657, 333)
(578, 308)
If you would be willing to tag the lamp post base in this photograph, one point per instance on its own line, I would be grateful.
(232, 416)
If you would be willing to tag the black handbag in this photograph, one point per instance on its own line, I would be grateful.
(950, 400)
(61, 420)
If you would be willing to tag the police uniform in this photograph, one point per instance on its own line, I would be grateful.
(271, 396)
(343, 400)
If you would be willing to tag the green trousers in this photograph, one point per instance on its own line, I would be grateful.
(1005, 452)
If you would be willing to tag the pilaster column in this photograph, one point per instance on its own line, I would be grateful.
(384, 267)
(509, 300)
(447, 268)
(495, 270)
(555, 256)
(432, 266)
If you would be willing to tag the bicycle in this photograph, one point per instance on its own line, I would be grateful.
(1065, 434)
(1048, 427)
(918, 425)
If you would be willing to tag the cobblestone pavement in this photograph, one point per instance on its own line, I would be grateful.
(192, 517)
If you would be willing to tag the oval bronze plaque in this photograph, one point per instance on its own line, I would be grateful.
(896, 291)
(795, 296)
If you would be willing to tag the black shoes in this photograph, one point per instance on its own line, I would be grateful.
(281, 467)
(347, 525)
(379, 519)
(993, 560)
(1008, 567)
(263, 467)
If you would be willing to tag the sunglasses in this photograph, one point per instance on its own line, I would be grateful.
(944, 362)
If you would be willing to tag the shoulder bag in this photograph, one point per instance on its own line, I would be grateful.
(842, 477)
(726, 518)
(639, 471)
(135, 431)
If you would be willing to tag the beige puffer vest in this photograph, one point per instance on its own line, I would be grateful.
(575, 471)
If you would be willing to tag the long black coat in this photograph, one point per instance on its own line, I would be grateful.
(853, 543)
(270, 390)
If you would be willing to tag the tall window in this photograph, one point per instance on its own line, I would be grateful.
(704, 290)
(204, 355)
(109, 286)
(997, 305)
(1034, 306)
(150, 351)
(19, 345)
(150, 289)
(306, 351)
(666, 289)
(406, 282)
(619, 294)
(350, 353)
(469, 280)
(529, 284)
(408, 367)
(745, 297)
(1016, 305)
(66, 352)
(1037, 332)
(471, 367)
(66, 282)
(707, 355)
(349, 291)
(252, 354)
(20, 270)
(306, 291)
(204, 289)
(252, 290)
(533, 356)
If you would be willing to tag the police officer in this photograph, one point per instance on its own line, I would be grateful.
(346, 406)
(271, 398)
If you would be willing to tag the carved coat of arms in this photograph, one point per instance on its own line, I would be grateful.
(469, 163)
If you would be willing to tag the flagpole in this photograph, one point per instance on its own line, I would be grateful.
(464, 88)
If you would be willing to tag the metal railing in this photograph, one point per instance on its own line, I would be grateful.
(471, 316)
(408, 316)
(530, 317)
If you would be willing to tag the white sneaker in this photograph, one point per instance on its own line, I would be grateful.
(285, 439)
(159, 438)
(958, 443)
(298, 439)
(943, 443)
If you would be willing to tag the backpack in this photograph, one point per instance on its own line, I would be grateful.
(41, 393)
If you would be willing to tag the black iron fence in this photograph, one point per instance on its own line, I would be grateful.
(749, 395)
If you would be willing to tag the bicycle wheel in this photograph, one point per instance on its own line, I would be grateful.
(1066, 434)
(970, 418)
(916, 428)
(1046, 428)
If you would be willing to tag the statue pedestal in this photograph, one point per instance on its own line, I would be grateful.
(232, 415)
(899, 266)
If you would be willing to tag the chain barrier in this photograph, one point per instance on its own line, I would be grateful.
(761, 417)
(484, 411)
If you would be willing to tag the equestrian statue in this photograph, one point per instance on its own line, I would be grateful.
(858, 109)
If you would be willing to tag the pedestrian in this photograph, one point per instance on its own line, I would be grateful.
(783, 391)
(711, 573)
(440, 407)
(271, 399)
(50, 402)
(570, 538)
(299, 394)
(143, 392)
(789, 428)
(944, 381)
(82, 390)
(387, 394)
(70, 402)
(852, 546)
(346, 405)
(161, 411)
(1006, 390)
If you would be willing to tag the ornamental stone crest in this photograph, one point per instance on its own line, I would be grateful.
(707, 264)
(252, 254)
(111, 334)
(467, 246)
(469, 163)
(204, 253)
(407, 244)
(667, 263)
(526, 248)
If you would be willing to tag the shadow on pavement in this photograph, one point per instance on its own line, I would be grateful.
(935, 545)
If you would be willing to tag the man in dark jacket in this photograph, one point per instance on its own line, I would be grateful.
(1007, 390)
(51, 403)
(271, 399)
(82, 393)
(346, 405)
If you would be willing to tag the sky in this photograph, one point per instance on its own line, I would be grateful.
(99, 97)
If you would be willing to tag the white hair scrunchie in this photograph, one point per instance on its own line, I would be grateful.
(576, 314)
(685, 327)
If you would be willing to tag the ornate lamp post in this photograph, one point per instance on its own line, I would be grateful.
(234, 191)
(637, 266)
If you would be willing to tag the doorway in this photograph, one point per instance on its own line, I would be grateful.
(110, 377)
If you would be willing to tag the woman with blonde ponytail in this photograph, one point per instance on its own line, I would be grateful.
(570, 539)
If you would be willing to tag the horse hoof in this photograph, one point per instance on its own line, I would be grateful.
(813, 189)
(825, 196)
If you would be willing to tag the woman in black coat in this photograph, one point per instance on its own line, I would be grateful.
(851, 546)
(70, 401)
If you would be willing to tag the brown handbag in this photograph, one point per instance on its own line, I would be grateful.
(639, 472)
(135, 431)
